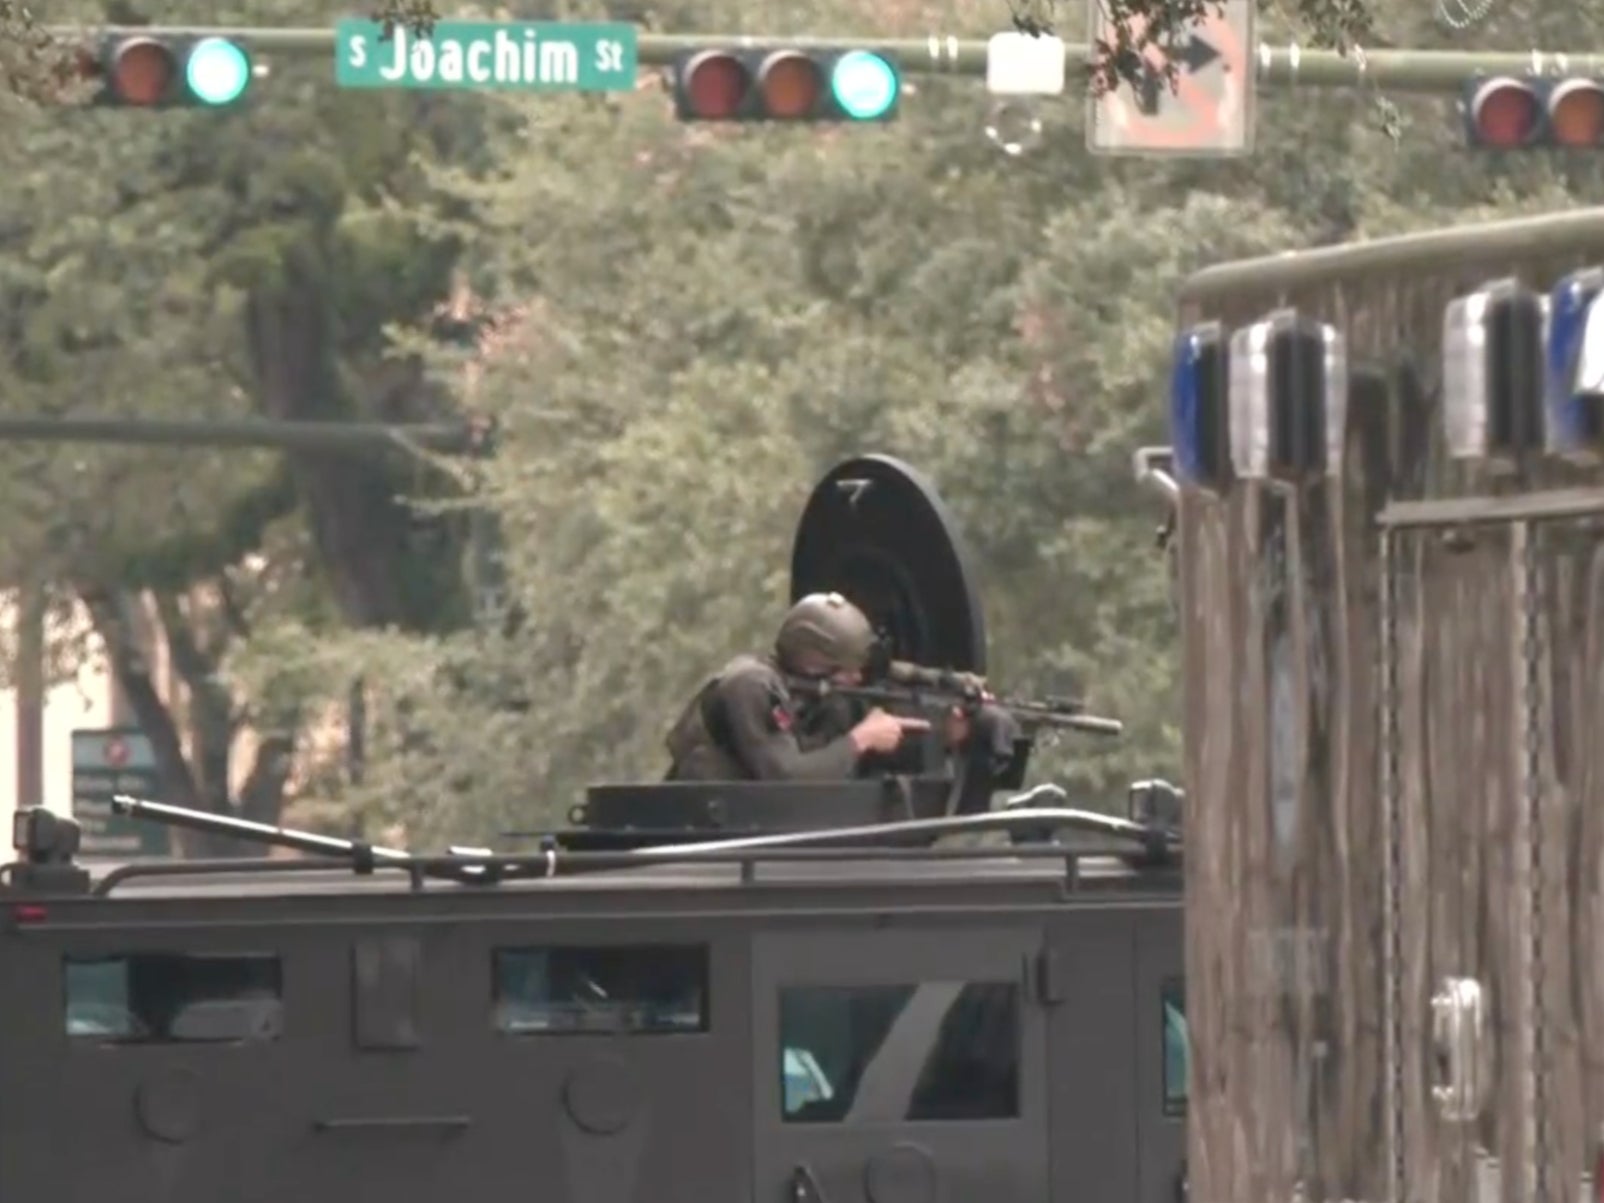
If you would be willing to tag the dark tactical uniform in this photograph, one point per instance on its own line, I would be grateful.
(744, 724)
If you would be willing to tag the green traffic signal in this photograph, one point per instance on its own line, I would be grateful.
(217, 71)
(864, 85)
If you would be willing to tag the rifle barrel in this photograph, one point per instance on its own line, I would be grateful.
(1091, 724)
(1030, 712)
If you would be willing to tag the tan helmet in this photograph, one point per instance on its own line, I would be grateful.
(829, 629)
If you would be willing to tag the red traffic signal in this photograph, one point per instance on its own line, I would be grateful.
(779, 84)
(1519, 112)
(148, 72)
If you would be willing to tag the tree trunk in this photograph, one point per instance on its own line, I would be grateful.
(359, 525)
(112, 622)
(198, 783)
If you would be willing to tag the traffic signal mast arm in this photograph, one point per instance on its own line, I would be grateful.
(1426, 71)
(450, 438)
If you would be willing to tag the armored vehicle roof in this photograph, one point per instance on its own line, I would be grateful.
(1062, 872)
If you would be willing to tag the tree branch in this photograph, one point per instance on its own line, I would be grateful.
(233, 612)
(261, 797)
(108, 612)
(192, 664)
(211, 710)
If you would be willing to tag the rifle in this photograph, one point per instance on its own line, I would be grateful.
(900, 683)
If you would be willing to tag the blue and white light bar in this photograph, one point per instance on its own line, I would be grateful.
(1288, 398)
(1574, 379)
(1492, 372)
(1200, 430)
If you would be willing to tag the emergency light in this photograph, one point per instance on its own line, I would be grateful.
(1288, 397)
(1574, 379)
(1200, 431)
(1492, 372)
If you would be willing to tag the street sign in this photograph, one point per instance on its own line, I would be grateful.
(541, 56)
(1206, 113)
(107, 761)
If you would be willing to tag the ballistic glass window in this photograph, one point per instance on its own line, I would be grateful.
(173, 998)
(941, 1050)
(645, 989)
(1176, 1066)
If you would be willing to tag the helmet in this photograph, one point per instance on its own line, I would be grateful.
(826, 626)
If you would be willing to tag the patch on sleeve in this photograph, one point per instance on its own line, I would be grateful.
(780, 718)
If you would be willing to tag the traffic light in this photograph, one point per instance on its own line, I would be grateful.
(1509, 112)
(778, 84)
(150, 72)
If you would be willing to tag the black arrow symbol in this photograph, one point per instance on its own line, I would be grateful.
(1148, 91)
(1194, 56)
(1197, 54)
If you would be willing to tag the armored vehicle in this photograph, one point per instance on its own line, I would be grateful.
(694, 993)
(1390, 542)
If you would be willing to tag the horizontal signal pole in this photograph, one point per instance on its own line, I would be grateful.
(1283, 66)
(352, 437)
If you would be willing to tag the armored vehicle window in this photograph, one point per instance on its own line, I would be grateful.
(164, 998)
(1175, 1049)
(649, 989)
(877, 1054)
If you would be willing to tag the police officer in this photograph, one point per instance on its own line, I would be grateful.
(745, 723)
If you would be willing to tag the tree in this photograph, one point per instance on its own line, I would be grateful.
(678, 329)
(718, 315)
(164, 265)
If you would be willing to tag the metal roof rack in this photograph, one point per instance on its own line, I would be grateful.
(1032, 830)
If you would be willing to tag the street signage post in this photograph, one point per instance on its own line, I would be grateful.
(1206, 113)
(107, 761)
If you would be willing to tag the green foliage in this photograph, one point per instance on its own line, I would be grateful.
(178, 265)
(686, 326)
(689, 341)
(679, 329)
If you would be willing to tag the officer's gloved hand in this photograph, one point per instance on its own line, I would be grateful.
(972, 682)
(958, 728)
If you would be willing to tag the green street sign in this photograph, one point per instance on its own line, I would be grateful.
(107, 761)
(540, 56)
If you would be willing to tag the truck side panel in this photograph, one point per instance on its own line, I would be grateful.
(408, 1049)
(249, 1064)
(1284, 845)
(1406, 1006)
